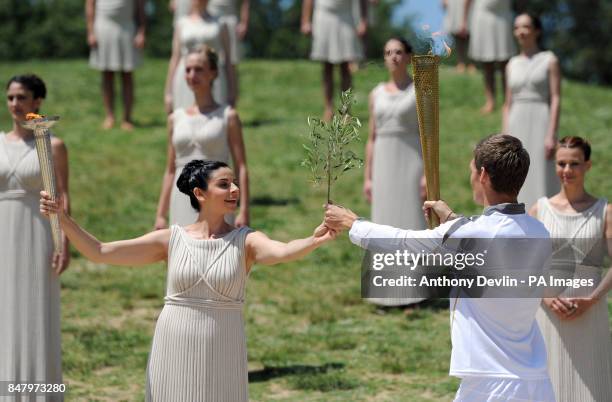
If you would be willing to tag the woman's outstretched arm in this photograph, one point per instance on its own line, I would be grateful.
(263, 250)
(146, 249)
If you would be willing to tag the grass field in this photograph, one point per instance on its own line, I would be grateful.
(310, 337)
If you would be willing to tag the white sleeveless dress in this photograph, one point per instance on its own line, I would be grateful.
(30, 347)
(115, 28)
(491, 31)
(183, 7)
(397, 168)
(200, 136)
(453, 18)
(227, 13)
(580, 350)
(199, 346)
(193, 33)
(528, 120)
(334, 37)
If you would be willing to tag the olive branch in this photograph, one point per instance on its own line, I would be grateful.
(327, 153)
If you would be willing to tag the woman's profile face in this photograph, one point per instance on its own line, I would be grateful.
(396, 56)
(570, 165)
(20, 101)
(524, 31)
(198, 72)
(222, 194)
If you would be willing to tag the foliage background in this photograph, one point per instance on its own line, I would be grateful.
(577, 30)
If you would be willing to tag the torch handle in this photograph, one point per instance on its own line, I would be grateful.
(47, 169)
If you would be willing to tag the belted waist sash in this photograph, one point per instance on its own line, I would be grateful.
(203, 303)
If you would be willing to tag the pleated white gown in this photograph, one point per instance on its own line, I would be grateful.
(200, 136)
(30, 347)
(115, 29)
(199, 347)
(397, 168)
(334, 37)
(580, 350)
(529, 119)
(491, 31)
(193, 33)
(227, 13)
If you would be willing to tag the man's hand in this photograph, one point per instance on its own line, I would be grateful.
(440, 208)
(339, 218)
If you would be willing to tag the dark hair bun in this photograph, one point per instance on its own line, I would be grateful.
(194, 175)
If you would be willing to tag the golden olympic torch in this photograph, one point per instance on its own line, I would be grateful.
(425, 68)
(40, 125)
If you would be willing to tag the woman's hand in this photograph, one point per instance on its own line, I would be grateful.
(61, 260)
(241, 30)
(561, 307)
(49, 206)
(168, 103)
(579, 305)
(139, 40)
(242, 220)
(323, 234)
(92, 41)
(423, 188)
(306, 28)
(550, 144)
(362, 28)
(160, 223)
(367, 190)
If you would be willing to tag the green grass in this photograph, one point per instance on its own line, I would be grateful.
(310, 337)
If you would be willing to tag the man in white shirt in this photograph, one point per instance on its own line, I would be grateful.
(498, 350)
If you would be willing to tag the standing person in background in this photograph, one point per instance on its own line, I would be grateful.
(116, 36)
(454, 24)
(30, 336)
(227, 13)
(532, 107)
(575, 323)
(491, 41)
(393, 163)
(335, 40)
(199, 28)
(179, 9)
(205, 130)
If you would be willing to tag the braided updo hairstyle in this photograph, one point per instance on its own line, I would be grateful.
(195, 174)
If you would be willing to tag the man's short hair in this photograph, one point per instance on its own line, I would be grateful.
(505, 161)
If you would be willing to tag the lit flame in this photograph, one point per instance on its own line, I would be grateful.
(447, 49)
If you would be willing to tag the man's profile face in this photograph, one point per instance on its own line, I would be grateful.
(475, 183)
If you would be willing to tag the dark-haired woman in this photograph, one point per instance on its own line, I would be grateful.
(199, 348)
(531, 111)
(206, 130)
(393, 163)
(575, 323)
(30, 348)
